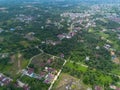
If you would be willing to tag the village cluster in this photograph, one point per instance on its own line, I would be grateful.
(76, 22)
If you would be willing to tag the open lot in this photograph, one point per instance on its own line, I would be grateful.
(66, 81)
(76, 66)
(14, 66)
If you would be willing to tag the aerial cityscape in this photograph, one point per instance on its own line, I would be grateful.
(59, 44)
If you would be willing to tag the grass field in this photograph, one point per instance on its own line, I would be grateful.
(76, 67)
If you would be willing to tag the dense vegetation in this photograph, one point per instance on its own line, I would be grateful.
(30, 27)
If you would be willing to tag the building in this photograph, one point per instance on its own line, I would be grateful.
(4, 80)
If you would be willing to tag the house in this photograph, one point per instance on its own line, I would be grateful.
(20, 84)
(87, 58)
(118, 36)
(46, 69)
(42, 74)
(107, 46)
(49, 61)
(23, 18)
(30, 36)
(104, 30)
(49, 78)
(42, 27)
(113, 55)
(52, 42)
(12, 29)
(55, 42)
(61, 36)
(89, 88)
(23, 85)
(62, 55)
(4, 55)
(4, 80)
(43, 42)
(49, 41)
(68, 36)
(50, 69)
(118, 89)
(72, 34)
(19, 28)
(98, 88)
(1, 30)
(97, 47)
(113, 87)
(30, 72)
(77, 29)
(26, 87)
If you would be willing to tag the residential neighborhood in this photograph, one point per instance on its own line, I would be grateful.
(59, 45)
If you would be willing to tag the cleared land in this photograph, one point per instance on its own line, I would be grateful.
(66, 81)
(14, 66)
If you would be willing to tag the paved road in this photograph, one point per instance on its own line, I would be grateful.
(56, 77)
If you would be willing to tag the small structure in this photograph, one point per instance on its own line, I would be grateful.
(118, 89)
(12, 29)
(29, 72)
(62, 55)
(26, 87)
(30, 36)
(42, 74)
(4, 80)
(98, 88)
(113, 87)
(23, 85)
(107, 46)
(87, 58)
(49, 78)
(4, 55)
(1, 30)
(97, 47)
(61, 36)
(113, 55)
(68, 36)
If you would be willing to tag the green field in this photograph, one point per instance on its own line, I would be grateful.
(76, 67)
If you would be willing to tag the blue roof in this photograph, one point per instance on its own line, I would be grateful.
(12, 29)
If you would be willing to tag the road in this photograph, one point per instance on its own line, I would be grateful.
(56, 77)
(32, 58)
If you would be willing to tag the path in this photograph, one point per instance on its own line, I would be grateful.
(56, 77)
(32, 59)
(19, 63)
